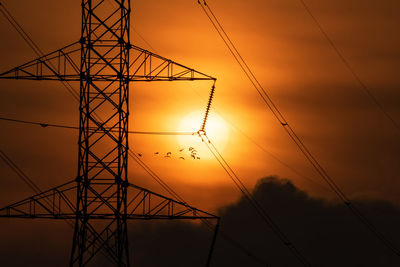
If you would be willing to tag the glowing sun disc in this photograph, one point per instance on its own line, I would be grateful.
(216, 129)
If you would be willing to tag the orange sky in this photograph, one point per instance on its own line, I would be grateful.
(288, 54)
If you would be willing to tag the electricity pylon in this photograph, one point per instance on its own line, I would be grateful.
(101, 200)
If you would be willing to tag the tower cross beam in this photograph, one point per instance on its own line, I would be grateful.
(57, 203)
(63, 65)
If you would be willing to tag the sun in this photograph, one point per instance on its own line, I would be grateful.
(216, 130)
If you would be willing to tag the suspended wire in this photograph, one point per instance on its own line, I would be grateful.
(316, 183)
(42, 124)
(45, 125)
(162, 133)
(253, 202)
(19, 172)
(16, 28)
(19, 29)
(230, 172)
(346, 63)
(289, 130)
(237, 56)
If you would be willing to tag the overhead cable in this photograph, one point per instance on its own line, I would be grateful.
(351, 70)
(45, 125)
(289, 130)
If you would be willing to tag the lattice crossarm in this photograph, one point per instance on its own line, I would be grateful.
(148, 66)
(147, 205)
(62, 64)
(55, 203)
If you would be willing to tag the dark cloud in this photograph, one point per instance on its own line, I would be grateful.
(326, 233)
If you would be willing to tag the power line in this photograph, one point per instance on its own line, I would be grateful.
(21, 174)
(45, 125)
(346, 63)
(19, 29)
(299, 174)
(289, 130)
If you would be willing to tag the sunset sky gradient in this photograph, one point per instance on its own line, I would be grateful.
(320, 98)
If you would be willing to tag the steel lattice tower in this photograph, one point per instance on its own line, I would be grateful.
(101, 200)
(103, 151)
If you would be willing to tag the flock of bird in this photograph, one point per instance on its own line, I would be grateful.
(193, 154)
